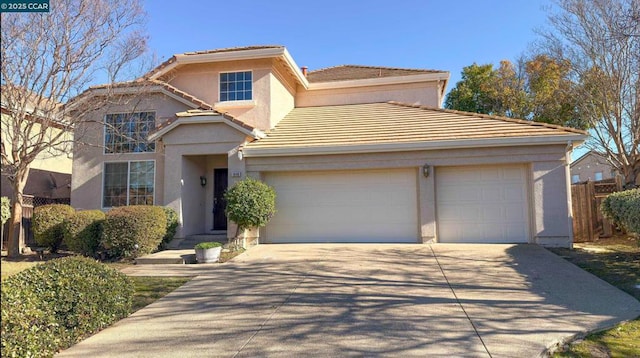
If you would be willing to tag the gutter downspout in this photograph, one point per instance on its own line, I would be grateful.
(567, 171)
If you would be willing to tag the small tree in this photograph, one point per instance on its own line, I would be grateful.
(250, 204)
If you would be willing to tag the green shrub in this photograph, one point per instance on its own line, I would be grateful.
(58, 303)
(207, 245)
(47, 224)
(623, 208)
(172, 224)
(131, 231)
(250, 203)
(5, 209)
(82, 231)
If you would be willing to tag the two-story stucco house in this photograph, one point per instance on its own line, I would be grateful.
(355, 153)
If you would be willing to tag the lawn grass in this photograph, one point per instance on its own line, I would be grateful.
(8, 268)
(150, 289)
(147, 289)
(617, 261)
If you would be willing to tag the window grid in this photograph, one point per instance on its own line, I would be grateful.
(128, 183)
(236, 86)
(127, 132)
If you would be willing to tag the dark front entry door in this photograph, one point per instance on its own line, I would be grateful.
(219, 204)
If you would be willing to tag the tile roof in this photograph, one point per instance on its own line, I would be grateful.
(198, 112)
(142, 83)
(393, 123)
(172, 59)
(355, 72)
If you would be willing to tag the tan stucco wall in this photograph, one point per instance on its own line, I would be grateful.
(58, 159)
(425, 93)
(549, 217)
(192, 151)
(282, 98)
(89, 157)
(270, 94)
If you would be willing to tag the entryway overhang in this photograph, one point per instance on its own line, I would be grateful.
(198, 116)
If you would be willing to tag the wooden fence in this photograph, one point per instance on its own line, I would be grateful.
(588, 222)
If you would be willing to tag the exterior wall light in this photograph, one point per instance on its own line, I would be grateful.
(203, 181)
(425, 170)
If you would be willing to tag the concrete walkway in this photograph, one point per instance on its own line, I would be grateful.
(368, 300)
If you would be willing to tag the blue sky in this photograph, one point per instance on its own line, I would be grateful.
(442, 35)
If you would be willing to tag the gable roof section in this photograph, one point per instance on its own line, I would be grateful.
(356, 72)
(197, 116)
(599, 157)
(393, 126)
(141, 87)
(277, 52)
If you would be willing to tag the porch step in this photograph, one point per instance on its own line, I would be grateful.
(190, 241)
(168, 257)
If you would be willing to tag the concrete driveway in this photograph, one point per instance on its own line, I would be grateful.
(371, 300)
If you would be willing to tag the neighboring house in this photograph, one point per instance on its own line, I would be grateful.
(50, 174)
(355, 153)
(591, 166)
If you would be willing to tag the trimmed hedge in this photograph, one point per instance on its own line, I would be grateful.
(82, 231)
(47, 224)
(6, 209)
(623, 208)
(172, 224)
(132, 231)
(58, 303)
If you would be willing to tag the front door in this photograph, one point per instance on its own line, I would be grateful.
(219, 204)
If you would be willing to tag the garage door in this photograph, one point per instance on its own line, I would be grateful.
(482, 204)
(353, 206)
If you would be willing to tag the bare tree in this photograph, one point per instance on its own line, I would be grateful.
(601, 40)
(47, 59)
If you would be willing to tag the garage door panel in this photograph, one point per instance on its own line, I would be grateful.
(482, 204)
(353, 206)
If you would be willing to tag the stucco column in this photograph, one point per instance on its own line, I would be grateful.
(427, 205)
(552, 221)
(173, 184)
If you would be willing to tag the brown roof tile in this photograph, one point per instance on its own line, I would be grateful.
(142, 83)
(355, 72)
(393, 123)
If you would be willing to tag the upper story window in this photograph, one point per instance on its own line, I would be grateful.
(127, 132)
(575, 178)
(236, 86)
(598, 176)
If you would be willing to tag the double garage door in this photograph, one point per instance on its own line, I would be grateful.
(473, 204)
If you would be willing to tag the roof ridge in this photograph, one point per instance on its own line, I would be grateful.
(488, 116)
(378, 67)
(172, 59)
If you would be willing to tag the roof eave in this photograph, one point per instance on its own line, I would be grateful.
(403, 147)
(183, 59)
(204, 119)
(379, 81)
(131, 90)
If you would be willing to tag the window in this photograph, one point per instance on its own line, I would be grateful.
(236, 86)
(575, 178)
(128, 183)
(598, 176)
(127, 132)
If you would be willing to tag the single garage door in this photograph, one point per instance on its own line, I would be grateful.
(344, 206)
(482, 204)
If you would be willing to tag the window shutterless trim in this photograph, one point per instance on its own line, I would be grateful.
(128, 180)
(104, 132)
(220, 85)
